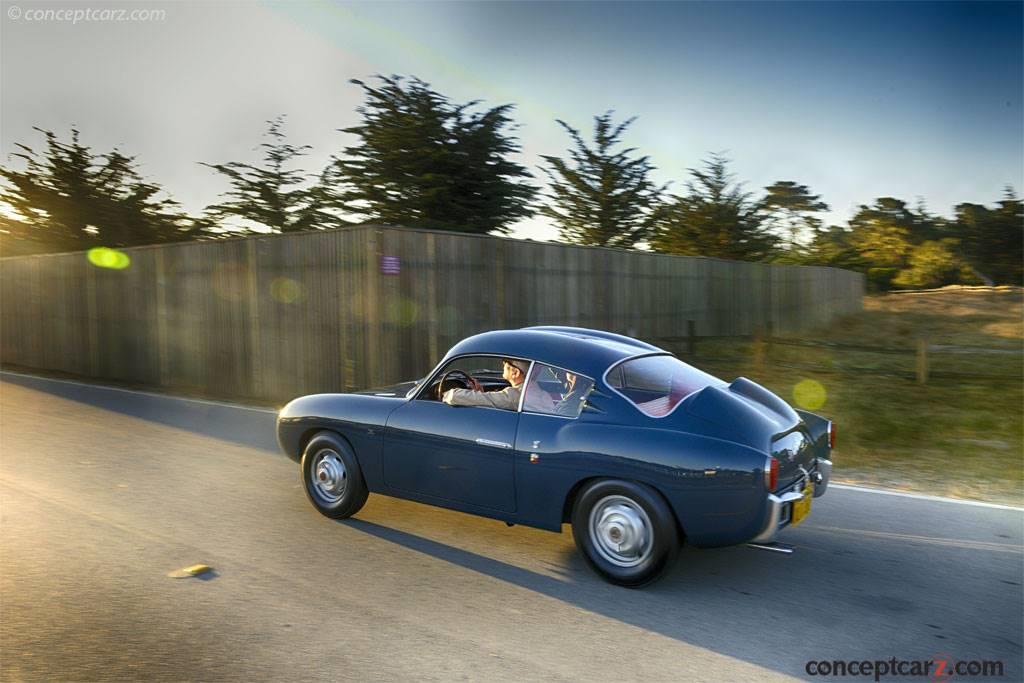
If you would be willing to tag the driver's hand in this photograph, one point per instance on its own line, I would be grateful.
(475, 385)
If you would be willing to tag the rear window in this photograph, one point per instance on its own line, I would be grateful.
(657, 384)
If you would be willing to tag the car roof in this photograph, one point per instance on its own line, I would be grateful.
(588, 352)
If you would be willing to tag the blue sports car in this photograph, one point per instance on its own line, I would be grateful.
(638, 450)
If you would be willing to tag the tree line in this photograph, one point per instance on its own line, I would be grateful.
(420, 160)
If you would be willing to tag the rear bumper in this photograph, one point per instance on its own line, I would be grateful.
(821, 475)
(779, 505)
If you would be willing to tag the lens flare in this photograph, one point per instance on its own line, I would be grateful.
(809, 394)
(229, 281)
(404, 312)
(105, 257)
(286, 291)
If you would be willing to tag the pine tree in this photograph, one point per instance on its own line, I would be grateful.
(421, 161)
(993, 239)
(790, 209)
(69, 198)
(602, 197)
(272, 195)
(715, 217)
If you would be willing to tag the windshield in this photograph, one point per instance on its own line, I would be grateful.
(657, 384)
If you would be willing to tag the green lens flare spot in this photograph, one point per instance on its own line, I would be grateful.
(403, 312)
(105, 257)
(810, 394)
(286, 291)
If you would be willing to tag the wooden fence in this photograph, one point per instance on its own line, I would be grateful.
(275, 316)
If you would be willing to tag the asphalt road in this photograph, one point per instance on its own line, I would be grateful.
(103, 493)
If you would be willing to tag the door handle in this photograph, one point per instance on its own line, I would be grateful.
(496, 444)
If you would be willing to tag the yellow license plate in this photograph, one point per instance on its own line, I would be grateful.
(802, 507)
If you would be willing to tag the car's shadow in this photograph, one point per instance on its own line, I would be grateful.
(250, 427)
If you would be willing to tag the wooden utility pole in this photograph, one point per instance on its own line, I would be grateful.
(758, 349)
(922, 360)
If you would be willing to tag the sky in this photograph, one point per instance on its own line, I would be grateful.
(919, 100)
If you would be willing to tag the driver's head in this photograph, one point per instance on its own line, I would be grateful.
(514, 371)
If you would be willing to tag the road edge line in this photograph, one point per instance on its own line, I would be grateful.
(924, 496)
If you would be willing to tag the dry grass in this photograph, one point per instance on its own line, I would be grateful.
(988, 316)
(957, 436)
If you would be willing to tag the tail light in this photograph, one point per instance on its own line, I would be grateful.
(831, 435)
(771, 473)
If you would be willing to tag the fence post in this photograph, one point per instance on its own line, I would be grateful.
(254, 319)
(93, 320)
(163, 357)
(431, 272)
(372, 310)
(758, 349)
(499, 282)
(922, 360)
(691, 338)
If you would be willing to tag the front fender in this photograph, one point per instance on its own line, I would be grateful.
(359, 418)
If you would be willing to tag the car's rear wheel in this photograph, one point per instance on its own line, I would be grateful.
(331, 476)
(625, 530)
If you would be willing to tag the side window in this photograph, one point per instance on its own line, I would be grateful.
(553, 391)
(615, 380)
(481, 367)
(485, 369)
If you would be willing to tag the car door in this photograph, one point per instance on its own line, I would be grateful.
(462, 454)
(549, 459)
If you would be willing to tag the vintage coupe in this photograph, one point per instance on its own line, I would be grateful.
(637, 449)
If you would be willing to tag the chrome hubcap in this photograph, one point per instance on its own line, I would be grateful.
(621, 531)
(329, 476)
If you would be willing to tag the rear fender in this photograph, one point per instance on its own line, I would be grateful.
(699, 477)
(817, 429)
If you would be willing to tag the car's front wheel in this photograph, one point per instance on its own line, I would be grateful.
(625, 530)
(331, 476)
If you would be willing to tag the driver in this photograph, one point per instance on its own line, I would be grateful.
(508, 398)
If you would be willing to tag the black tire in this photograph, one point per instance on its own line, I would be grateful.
(628, 513)
(331, 476)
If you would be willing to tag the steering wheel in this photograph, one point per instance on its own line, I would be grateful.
(460, 378)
